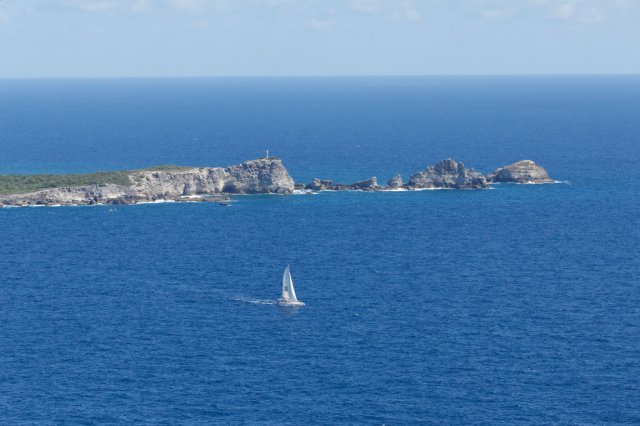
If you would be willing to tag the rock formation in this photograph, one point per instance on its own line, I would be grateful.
(321, 185)
(252, 177)
(395, 182)
(447, 174)
(266, 175)
(370, 184)
(524, 171)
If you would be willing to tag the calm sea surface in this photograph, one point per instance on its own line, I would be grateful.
(514, 305)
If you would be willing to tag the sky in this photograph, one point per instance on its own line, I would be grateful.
(177, 38)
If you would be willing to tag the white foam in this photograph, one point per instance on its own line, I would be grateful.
(430, 189)
(531, 183)
(254, 301)
(544, 183)
(157, 202)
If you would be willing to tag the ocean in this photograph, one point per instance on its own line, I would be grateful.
(514, 305)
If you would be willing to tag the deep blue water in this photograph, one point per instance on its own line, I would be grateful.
(514, 305)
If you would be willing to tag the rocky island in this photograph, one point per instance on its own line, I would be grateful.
(524, 171)
(446, 174)
(262, 176)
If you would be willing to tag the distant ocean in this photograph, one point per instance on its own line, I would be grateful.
(519, 304)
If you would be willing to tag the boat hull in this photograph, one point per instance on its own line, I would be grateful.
(285, 302)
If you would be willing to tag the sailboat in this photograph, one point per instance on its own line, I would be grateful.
(288, 292)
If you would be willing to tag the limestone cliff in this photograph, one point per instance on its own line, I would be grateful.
(266, 175)
(252, 177)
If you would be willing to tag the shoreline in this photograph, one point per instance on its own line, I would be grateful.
(231, 197)
(262, 176)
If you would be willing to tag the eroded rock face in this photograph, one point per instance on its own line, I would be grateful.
(370, 184)
(524, 171)
(316, 184)
(92, 194)
(395, 182)
(321, 185)
(253, 177)
(447, 174)
(264, 176)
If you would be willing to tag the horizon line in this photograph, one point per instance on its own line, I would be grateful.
(328, 76)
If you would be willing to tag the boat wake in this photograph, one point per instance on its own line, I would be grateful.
(254, 301)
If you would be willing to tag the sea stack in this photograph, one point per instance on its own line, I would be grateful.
(447, 174)
(395, 182)
(524, 171)
(370, 184)
(320, 185)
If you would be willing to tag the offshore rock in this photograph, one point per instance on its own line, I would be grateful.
(447, 174)
(370, 184)
(395, 182)
(321, 185)
(316, 184)
(263, 176)
(524, 171)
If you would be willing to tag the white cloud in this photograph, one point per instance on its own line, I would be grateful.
(141, 5)
(577, 10)
(90, 5)
(188, 5)
(404, 10)
(364, 6)
(497, 13)
(314, 13)
(321, 24)
(564, 10)
(581, 11)
(98, 6)
(411, 13)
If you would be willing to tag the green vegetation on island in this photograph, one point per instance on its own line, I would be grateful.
(20, 184)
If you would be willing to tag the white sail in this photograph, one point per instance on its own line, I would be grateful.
(292, 291)
(288, 292)
(286, 280)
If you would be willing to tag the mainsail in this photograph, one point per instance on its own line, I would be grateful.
(286, 284)
(288, 292)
